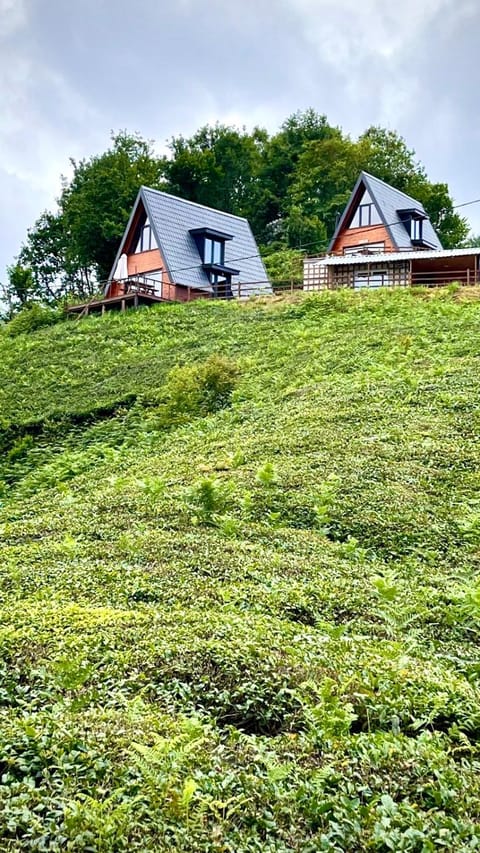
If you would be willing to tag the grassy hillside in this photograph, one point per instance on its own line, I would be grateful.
(239, 578)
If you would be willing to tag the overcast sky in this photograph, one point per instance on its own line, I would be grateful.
(70, 72)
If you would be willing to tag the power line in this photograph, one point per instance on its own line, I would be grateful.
(326, 242)
(464, 204)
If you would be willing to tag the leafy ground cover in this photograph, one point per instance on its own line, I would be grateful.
(239, 577)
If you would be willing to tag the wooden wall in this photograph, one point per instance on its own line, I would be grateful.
(362, 237)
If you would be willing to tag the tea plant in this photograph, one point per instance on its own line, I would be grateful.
(239, 577)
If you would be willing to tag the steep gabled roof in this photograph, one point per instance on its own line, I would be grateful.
(388, 202)
(172, 219)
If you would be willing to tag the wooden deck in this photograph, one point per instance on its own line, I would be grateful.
(114, 303)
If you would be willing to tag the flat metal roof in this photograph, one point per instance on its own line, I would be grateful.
(384, 257)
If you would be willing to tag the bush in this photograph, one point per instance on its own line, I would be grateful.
(284, 265)
(32, 317)
(199, 389)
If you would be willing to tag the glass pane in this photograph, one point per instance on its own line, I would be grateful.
(146, 238)
(207, 255)
(217, 252)
(365, 214)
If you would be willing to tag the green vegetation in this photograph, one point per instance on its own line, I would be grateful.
(291, 186)
(33, 316)
(239, 577)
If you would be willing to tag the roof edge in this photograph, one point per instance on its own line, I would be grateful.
(345, 212)
(195, 203)
(387, 225)
(384, 257)
(124, 237)
(155, 231)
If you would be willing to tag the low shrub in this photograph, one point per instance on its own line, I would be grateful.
(198, 389)
(32, 317)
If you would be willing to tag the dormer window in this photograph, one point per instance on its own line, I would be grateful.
(416, 229)
(211, 244)
(413, 220)
(213, 251)
(211, 248)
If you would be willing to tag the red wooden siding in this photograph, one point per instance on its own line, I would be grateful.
(362, 237)
(145, 262)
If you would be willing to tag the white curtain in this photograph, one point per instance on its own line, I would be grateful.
(121, 270)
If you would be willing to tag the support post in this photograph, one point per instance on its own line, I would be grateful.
(123, 305)
(103, 309)
(135, 301)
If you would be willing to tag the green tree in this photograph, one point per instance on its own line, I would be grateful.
(219, 167)
(44, 253)
(325, 175)
(385, 154)
(21, 289)
(96, 204)
(472, 241)
(283, 264)
(70, 250)
(280, 162)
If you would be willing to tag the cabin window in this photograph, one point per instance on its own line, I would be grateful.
(156, 275)
(365, 215)
(214, 251)
(146, 240)
(416, 229)
(222, 286)
(218, 252)
(364, 249)
(370, 278)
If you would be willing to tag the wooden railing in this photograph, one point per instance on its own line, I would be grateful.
(441, 278)
(142, 284)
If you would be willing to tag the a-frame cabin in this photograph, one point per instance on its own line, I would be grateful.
(174, 250)
(380, 218)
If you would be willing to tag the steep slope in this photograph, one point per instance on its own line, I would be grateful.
(239, 577)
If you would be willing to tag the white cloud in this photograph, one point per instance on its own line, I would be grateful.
(12, 17)
(69, 73)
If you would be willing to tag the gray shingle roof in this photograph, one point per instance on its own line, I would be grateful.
(388, 202)
(172, 219)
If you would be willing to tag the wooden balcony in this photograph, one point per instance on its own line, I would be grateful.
(128, 293)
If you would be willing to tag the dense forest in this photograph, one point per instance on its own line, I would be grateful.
(291, 185)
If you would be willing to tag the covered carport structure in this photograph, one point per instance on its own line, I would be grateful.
(427, 268)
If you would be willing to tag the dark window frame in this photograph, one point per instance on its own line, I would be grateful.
(145, 241)
(416, 229)
(215, 253)
(365, 211)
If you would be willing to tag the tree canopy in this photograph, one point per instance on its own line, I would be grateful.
(71, 249)
(291, 185)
